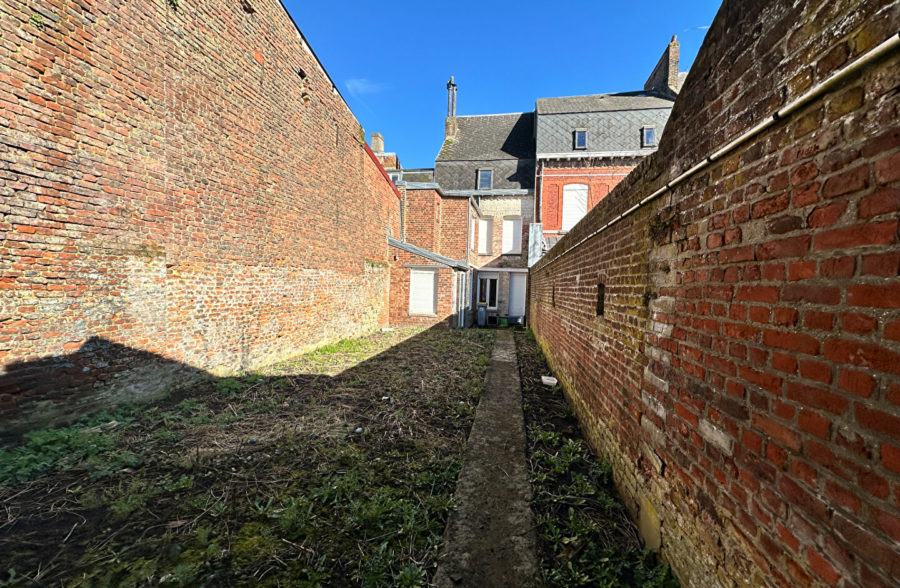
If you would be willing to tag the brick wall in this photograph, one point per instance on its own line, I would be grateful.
(454, 227)
(743, 377)
(182, 182)
(423, 219)
(399, 285)
(599, 179)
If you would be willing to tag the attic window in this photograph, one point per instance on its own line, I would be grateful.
(485, 179)
(648, 137)
(579, 139)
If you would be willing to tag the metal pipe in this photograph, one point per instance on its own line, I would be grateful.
(882, 49)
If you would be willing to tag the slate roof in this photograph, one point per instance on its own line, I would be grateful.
(610, 132)
(491, 137)
(460, 265)
(418, 175)
(602, 103)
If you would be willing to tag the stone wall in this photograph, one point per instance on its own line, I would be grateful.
(496, 208)
(182, 186)
(741, 374)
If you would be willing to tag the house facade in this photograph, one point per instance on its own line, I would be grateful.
(586, 145)
(504, 189)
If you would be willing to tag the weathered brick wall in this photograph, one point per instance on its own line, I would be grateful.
(423, 219)
(599, 179)
(184, 182)
(454, 227)
(743, 378)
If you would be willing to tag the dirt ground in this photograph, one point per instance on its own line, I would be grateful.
(585, 537)
(335, 469)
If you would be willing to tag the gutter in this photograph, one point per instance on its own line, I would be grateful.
(816, 91)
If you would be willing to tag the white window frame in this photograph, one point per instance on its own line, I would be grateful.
(644, 142)
(479, 175)
(416, 310)
(485, 235)
(571, 188)
(486, 279)
(575, 144)
(512, 235)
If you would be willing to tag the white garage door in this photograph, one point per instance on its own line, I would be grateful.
(422, 291)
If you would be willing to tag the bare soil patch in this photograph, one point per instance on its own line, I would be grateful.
(585, 537)
(336, 469)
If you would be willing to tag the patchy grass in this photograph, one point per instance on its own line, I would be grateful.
(585, 535)
(334, 469)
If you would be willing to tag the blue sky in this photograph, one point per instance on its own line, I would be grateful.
(391, 60)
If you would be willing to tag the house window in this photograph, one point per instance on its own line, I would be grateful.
(487, 291)
(485, 179)
(512, 235)
(574, 205)
(423, 291)
(395, 178)
(485, 231)
(648, 137)
(580, 139)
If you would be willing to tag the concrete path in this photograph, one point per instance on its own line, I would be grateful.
(490, 539)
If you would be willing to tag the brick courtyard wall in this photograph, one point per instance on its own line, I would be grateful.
(180, 187)
(599, 179)
(744, 377)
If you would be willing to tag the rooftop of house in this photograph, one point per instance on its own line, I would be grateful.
(602, 103)
(491, 137)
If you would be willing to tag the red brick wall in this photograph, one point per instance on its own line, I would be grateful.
(454, 228)
(743, 379)
(172, 186)
(399, 305)
(600, 180)
(423, 219)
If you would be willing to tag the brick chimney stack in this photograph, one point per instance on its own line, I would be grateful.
(377, 143)
(450, 126)
(665, 78)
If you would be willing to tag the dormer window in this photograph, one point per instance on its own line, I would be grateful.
(579, 139)
(485, 179)
(648, 137)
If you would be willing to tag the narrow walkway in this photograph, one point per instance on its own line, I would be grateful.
(490, 539)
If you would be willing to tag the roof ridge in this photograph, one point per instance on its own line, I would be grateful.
(495, 114)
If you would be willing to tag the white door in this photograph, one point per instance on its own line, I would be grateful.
(517, 294)
(575, 197)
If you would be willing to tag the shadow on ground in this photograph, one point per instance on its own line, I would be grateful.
(337, 468)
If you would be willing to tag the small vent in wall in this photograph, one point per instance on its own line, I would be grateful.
(601, 299)
(301, 73)
(247, 7)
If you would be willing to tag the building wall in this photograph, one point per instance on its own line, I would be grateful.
(423, 219)
(743, 379)
(599, 179)
(497, 207)
(175, 193)
(399, 285)
(454, 228)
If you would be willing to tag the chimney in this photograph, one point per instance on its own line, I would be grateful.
(377, 143)
(664, 78)
(450, 126)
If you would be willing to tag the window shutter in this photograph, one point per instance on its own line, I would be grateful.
(484, 236)
(422, 291)
(574, 205)
(512, 235)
